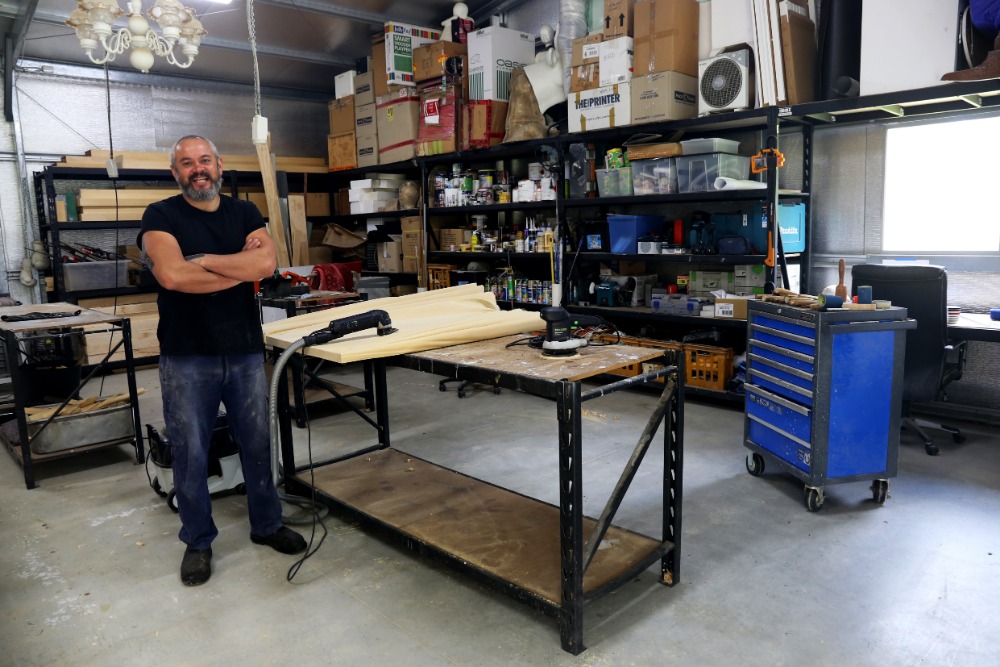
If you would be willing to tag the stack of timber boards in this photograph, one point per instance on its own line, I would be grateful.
(143, 316)
(97, 159)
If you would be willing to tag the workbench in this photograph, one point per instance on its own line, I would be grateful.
(539, 553)
(16, 335)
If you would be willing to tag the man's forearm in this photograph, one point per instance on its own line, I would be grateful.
(243, 266)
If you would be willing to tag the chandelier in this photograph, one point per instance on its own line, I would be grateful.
(93, 21)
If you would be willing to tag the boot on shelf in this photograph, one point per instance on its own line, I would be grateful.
(988, 69)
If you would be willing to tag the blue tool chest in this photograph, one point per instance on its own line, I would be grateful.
(824, 394)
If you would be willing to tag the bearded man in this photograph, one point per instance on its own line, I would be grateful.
(205, 251)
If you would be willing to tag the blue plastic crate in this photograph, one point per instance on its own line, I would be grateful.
(624, 230)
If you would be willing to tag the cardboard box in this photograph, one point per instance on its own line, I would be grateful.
(364, 89)
(663, 96)
(343, 84)
(390, 254)
(617, 20)
(451, 238)
(666, 37)
(440, 127)
(609, 106)
(585, 51)
(367, 150)
(649, 151)
(411, 223)
(380, 77)
(397, 118)
(429, 60)
(732, 307)
(342, 151)
(495, 52)
(365, 124)
(584, 77)
(411, 264)
(615, 57)
(401, 39)
(484, 123)
(413, 244)
(342, 115)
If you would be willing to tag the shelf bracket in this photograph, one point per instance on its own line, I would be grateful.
(975, 101)
(893, 109)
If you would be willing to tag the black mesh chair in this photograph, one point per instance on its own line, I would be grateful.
(931, 361)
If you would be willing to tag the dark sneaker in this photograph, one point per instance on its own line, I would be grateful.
(285, 540)
(196, 567)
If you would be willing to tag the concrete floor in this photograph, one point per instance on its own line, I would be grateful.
(92, 556)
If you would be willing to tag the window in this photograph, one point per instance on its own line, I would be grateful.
(942, 187)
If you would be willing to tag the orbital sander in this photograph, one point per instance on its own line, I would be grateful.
(561, 328)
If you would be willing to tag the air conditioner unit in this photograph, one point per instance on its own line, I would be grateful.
(725, 82)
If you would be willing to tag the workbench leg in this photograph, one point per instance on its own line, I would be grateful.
(673, 477)
(381, 400)
(14, 364)
(570, 516)
(298, 390)
(369, 374)
(133, 392)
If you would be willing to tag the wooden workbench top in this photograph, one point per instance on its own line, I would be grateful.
(522, 360)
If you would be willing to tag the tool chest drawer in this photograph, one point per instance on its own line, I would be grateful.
(786, 447)
(781, 379)
(779, 413)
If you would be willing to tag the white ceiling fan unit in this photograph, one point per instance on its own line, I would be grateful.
(725, 82)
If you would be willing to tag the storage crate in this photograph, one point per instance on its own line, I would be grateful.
(656, 176)
(439, 275)
(697, 173)
(624, 231)
(709, 145)
(614, 182)
(708, 367)
(646, 366)
(95, 275)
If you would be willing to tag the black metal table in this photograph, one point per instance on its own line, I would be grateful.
(84, 322)
(542, 554)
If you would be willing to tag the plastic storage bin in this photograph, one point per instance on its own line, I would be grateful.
(624, 231)
(697, 173)
(95, 275)
(657, 176)
(614, 182)
(709, 145)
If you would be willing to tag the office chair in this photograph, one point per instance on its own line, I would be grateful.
(931, 362)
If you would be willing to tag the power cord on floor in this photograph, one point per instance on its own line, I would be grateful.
(316, 510)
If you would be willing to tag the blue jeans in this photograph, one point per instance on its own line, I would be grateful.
(192, 389)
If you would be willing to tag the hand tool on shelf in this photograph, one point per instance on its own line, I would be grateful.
(841, 290)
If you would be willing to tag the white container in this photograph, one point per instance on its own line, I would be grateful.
(343, 84)
(709, 145)
(494, 53)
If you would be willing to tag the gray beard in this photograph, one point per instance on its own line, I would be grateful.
(202, 195)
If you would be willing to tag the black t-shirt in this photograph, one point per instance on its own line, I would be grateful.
(225, 322)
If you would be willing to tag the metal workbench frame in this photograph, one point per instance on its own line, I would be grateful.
(12, 336)
(574, 552)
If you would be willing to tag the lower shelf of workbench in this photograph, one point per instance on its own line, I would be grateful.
(494, 531)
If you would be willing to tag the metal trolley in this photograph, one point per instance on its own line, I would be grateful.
(824, 395)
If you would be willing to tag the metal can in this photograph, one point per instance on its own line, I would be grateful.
(614, 159)
(486, 178)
